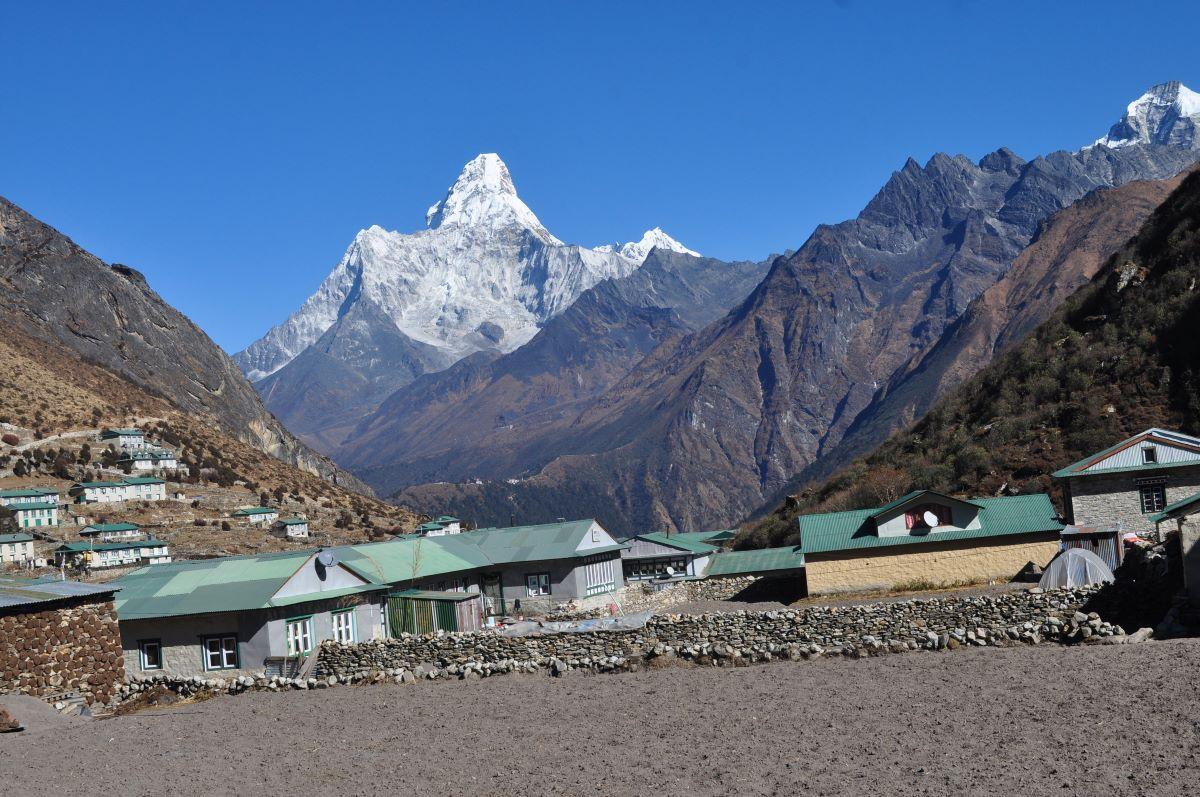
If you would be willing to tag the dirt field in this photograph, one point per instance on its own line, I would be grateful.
(1030, 721)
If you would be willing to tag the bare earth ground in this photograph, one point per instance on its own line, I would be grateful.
(1111, 720)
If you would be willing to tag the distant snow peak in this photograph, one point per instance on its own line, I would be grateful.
(637, 251)
(1167, 114)
(484, 196)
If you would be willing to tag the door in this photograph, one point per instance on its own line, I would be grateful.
(493, 594)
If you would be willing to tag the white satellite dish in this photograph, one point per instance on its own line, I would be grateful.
(670, 571)
(327, 559)
(931, 519)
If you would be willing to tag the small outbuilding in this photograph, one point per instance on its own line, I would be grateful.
(417, 611)
(295, 528)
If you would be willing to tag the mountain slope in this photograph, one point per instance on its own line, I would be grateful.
(1069, 249)
(484, 276)
(701, 435)
(488, 417)
(1118, 356)
(53, 290)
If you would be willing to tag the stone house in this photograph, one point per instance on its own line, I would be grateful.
(148, 460)
(112, 532)
(927, 538)
(34, 515)
(58, 637)
(145, 488)
(135, 488)
(295, 528)
(101, 556)
(1130, 482)
(29, 495)
(16, 549)
(257, 515)
(1179, 515)
(124, 438)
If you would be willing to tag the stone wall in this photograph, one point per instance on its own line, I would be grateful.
(1105, 500)
(1010, 618)
(74, 647)
(951, 563)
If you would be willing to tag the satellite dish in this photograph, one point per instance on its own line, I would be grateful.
(930, 519)
(327, 559)
(670, 571)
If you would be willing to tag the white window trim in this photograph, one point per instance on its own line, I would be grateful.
(537, 585)
(224, 652)
(347, 631)
(298, 633)
(142, 653)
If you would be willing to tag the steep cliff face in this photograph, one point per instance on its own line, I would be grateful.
(494, 416)
(702, 434)
(1119, 355)
(53, 290)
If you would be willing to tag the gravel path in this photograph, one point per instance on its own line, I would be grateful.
(1114, 720)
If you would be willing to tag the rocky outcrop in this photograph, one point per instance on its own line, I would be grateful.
(53, 290)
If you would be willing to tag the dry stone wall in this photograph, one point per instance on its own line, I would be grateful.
(71, 648)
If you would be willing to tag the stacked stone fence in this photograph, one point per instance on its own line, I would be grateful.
(733, 639)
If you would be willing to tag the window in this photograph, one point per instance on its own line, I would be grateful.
(343, 626)
(299, 636)
(1149, 456)
(537, 584)
(220, 653)
(150, 653)
(1154, 498)
(915, 517)
(598, 574)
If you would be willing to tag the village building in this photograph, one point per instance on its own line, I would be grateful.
(257, 515)
(101, 556)
(240, 614)
(29, 495)
(34, 515)
(148, 460)
(1179, 517)
(784, 562)
(440, 526)
(124, 438)
(112, 532)
(16, 549)
(1129, 483)
(662, 555)
(134, 488)
(59, 637)
(927, 538)
(290, 528)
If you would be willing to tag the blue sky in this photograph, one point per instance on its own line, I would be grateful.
(231, 150)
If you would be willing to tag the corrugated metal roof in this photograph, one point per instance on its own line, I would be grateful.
(28, 492)
(763, 560)
(255, 510)
(683, 542)
(533, 543)
(80, 547)
(144, 480)
(1165, 436)
(100, 528)
(16, 538)
(32, 592)
(39, 505)
(854, 530)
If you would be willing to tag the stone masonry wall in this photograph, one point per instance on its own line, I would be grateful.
(1104, 500)
(1006, 619)
(71, 648)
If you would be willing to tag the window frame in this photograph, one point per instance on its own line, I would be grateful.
(142, 645)
(308, 626)
(1150, 455)
(223, 652)
(1152, 491)
(351, 625)
(542, 582)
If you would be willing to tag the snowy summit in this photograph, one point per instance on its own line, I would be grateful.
(485, 274)
(1167, 114)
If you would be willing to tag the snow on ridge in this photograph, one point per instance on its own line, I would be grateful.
(1165, 114)
(638, 251)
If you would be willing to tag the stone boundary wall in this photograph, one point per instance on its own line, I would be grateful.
(64, 648)
(734, 639)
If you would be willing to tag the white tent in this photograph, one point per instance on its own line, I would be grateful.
(1075, 567)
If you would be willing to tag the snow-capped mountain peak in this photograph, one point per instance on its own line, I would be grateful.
(1167, 114)
(651, 239)
(484, 196)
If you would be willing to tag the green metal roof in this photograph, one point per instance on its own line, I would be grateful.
(1163, 436)
(684, 541)
(763, 560)
(430, 526)
(293, 521)
(998, 517)
(97, 484)
(1170, 510)
(447, 519)
(435, 595)
(39, 505)
(144, 480)
(101, 528)
(15, 538)
(227, 584)
(122, 432)
(534, 543)
(410, 558)
(80, 547)
(257, 510)
(28, 492)
(904, 499)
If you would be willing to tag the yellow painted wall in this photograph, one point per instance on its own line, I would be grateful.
(946, 563)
